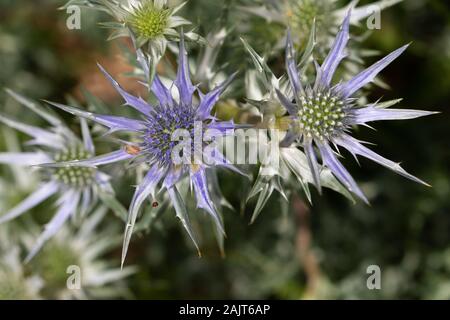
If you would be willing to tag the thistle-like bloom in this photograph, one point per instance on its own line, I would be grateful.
(156, 147)
(149, 21)
(83, 250)
(153, 19)
(324, 18)
(324, 114)
(292, 168)
(299, 15)
(15, 282)
(78, 188)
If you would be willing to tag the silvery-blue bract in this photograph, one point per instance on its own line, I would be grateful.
(323, 114)
(77, 188)
(154, 130)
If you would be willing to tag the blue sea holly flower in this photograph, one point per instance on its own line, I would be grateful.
(292, 170)
(158, 123)
(78, 188)
(323, 114)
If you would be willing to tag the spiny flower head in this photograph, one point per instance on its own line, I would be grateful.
(85, 249)
(321, 115)
(301, 15)
(292, 170)
(157, 137)
(78, 188)
(155, 131)
(16, 283)
(148, 20)
(76, 177)
(324, 114)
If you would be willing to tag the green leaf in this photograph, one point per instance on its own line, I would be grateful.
(263, 186)
(310, 46)
(298, 167)
(263, 69)
(112, 203)
(296, 160)
(150, 217)
(111, 25)
(180, 209)
(328, 180)
(387, 104)
(46, 114)
(266, 191)
(220, 236)
(94, 103)
(121, 33)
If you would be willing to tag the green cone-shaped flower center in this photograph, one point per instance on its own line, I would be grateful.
(320, 115)
(77, 177)
(149, 22)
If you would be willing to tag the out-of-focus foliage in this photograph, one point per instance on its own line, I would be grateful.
(293, 250)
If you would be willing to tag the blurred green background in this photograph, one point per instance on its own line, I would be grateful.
(299, 252)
